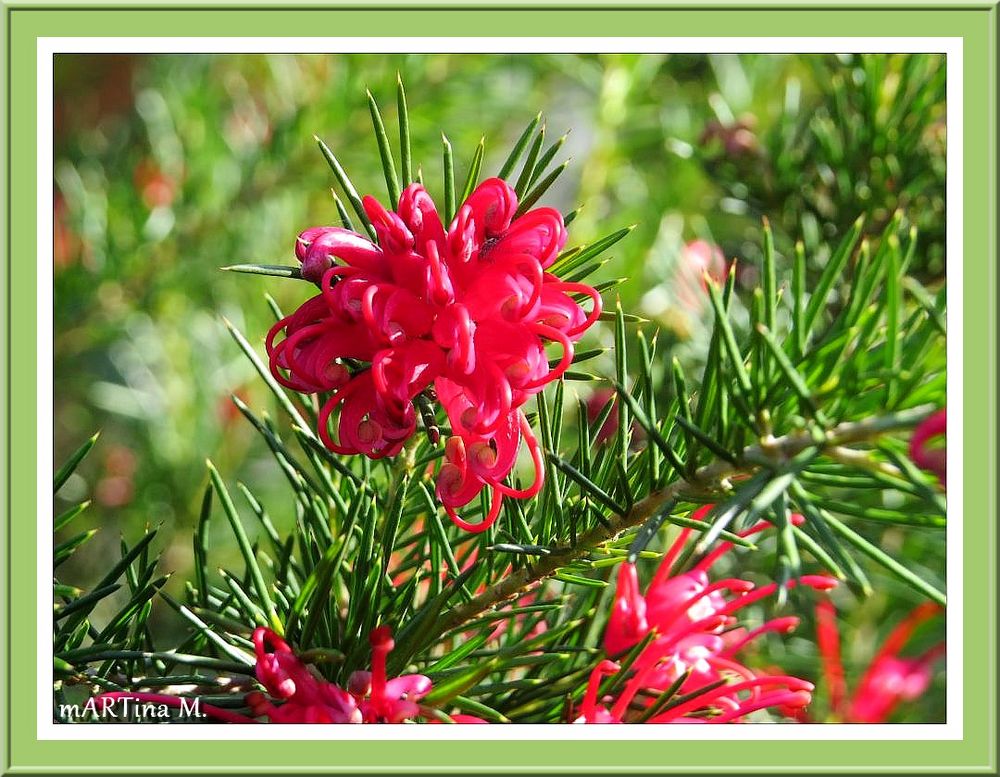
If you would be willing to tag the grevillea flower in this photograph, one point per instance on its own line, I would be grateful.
(293, 693)
(694, 643)
(462, 314)
(930, 458)
(889, 679)
(380, 699)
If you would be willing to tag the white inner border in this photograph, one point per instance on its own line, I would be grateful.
(952, 47)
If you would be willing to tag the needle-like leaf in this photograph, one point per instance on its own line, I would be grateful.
(518, 149)
(405, 154)
(448, 165)
(67, 469)
(384, 152)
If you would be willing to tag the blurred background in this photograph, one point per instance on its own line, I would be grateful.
(170, 167)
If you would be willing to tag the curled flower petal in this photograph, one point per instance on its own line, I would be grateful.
(316, 249)
(491, 207)
(393, 235)
(483, 525)
(365, 425)
(420, 215)
(539, 233)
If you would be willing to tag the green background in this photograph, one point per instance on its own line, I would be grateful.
(973, 25)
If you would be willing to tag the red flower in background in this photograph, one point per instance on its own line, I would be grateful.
(698, 259)
(595, 406)
(695, 642)
(923, 454)
(65, 240)
(889, 679)
(735, 139)
(466, 312)
(156, 188)
(116, 487)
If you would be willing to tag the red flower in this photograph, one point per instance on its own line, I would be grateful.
(303, 697)
(889, 679)
(382, 700)
(932, 459)
(295, 694)
(467, 312)
(695, 643)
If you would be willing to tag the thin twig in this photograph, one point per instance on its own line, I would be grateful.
(862, 460)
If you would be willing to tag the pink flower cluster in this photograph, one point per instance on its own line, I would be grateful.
(295, 694)
(465, 313)
(695, 642)
(370, 696)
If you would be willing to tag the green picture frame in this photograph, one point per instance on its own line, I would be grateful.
(972, 746)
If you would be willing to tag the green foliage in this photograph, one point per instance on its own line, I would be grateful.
(814, 370)
(870, 139)
(77, 641)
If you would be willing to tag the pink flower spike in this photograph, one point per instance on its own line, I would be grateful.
(828, 642)
(696, 637)
(889, 679)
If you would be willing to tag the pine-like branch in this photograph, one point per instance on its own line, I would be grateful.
(708, 477)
